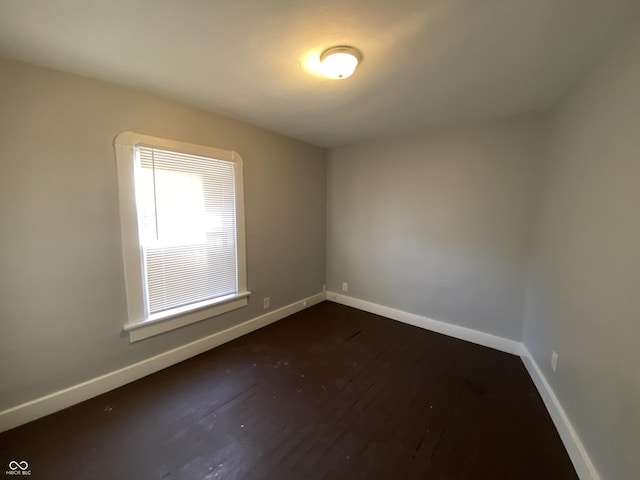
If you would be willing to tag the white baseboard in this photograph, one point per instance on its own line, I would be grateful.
(578, 454)
(53, 402)
(61, 399)
(456, 331)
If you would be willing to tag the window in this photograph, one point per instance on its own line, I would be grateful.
(182, 221)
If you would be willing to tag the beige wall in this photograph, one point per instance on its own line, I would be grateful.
(584, 289)
(437, 224)
(62, 297)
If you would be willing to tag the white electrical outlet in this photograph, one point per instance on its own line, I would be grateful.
(304, 304)
(554, 361)
(266, 302)
(345, 287)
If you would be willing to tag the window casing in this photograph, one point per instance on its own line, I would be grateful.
(182, 222)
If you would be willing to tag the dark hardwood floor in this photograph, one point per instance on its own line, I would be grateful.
(328, 393)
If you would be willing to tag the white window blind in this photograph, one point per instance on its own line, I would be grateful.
(187, 222)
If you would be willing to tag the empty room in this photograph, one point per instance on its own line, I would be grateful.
(366, 239)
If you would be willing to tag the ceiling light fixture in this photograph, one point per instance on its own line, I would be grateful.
(340, 62)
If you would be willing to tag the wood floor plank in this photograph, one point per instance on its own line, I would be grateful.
(328, 393)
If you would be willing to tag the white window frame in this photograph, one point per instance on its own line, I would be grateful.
(138, 326)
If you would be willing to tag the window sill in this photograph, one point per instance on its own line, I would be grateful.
(180, 317)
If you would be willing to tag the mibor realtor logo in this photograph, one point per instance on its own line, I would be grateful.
(18, 467)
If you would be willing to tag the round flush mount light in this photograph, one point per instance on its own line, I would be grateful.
(340, 62)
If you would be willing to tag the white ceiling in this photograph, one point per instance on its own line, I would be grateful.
(426, 62)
